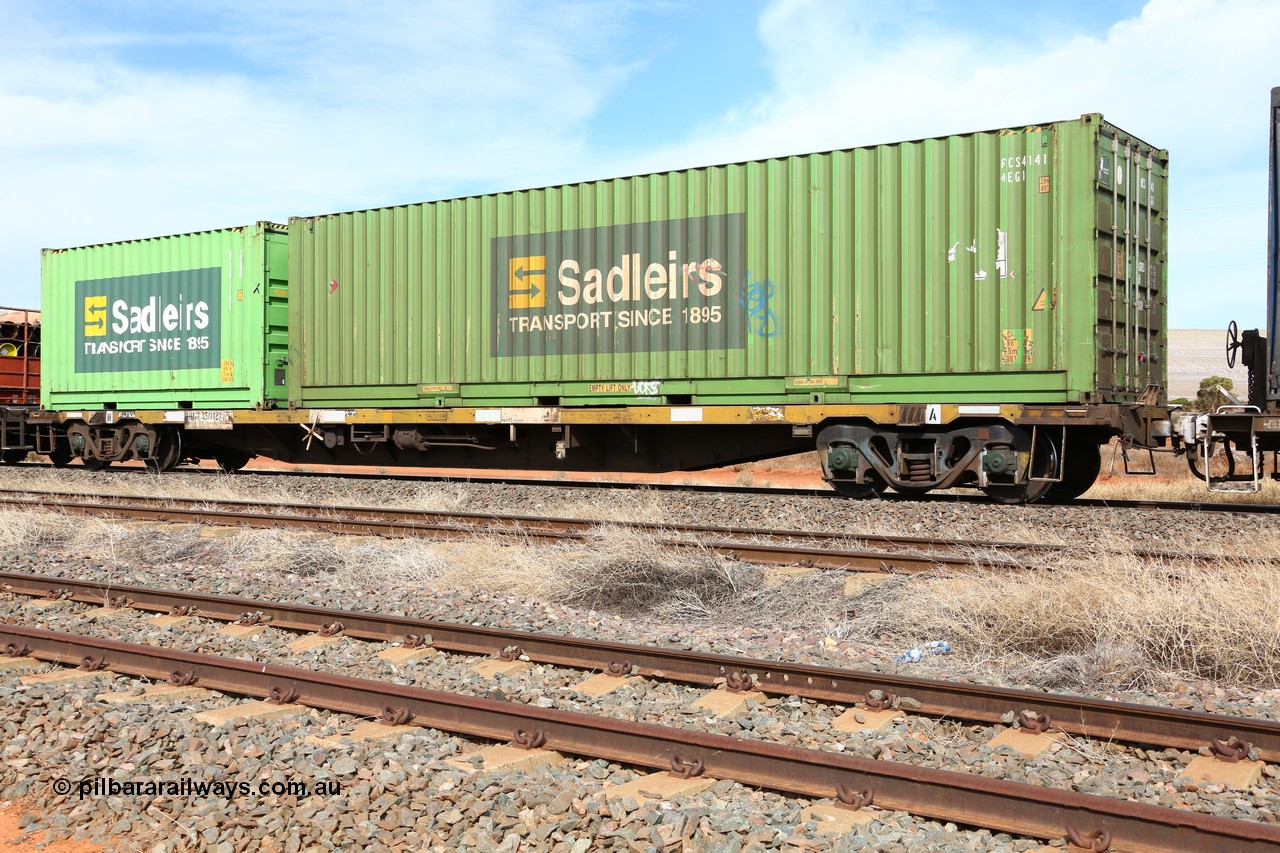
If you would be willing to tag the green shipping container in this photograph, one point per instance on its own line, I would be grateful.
(1017, 265)
(186, 321)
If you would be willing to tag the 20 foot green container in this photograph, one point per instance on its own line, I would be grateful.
(185, 321)
(1017, 265)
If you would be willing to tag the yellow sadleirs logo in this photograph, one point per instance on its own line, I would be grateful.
(95, 316)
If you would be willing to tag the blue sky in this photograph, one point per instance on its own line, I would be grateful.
(129, 119)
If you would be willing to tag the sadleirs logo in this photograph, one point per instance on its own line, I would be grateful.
(154, 321)
(95, 316)
(663, 285)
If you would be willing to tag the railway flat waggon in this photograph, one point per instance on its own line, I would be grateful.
(982, 309)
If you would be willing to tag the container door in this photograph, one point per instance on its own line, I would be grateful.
(276, 321)
(1130, 185)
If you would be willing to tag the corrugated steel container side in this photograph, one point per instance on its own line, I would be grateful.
(970, 267)
(1273, 252)
(160, 322)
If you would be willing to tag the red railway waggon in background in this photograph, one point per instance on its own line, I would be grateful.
(19, 380)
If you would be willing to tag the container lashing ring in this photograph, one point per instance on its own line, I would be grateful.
(1098, 842)
(1034, 723)
(739, 681)
(252, 617)
(282, 695)
(91, 664)
(1231, 750)
(183, 610)
(682, 769)
(619, 668)
(510, 653)
(414, 641)
(13, 650)
(529, 740)
(182, 679)
(878, 700)
(857, 799)
(331, 629)
(395, 716)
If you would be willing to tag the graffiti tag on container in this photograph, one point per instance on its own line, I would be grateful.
(755, 298)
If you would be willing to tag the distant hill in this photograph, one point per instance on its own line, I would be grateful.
(1197, 353)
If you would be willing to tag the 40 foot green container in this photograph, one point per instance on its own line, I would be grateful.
(1016, 265)
(186, 321)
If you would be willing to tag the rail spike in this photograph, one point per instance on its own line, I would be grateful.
(282, 695)
(14, 650)
(1231, 750)
(1034, 723)
(739, 681)
(1099, 842)
(858, 799)
(682, 769)
(510, 653)
(395, 716)
(182, 679)
(529, 740)
(879, 700)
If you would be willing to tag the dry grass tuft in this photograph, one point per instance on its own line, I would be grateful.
(1113, 623)
(626, 571)
(23, 530)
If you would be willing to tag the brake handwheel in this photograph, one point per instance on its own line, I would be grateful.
(1233, 343)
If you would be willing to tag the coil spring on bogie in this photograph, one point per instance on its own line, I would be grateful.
(918, 470)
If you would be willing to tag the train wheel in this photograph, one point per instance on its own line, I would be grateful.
(1079, 472)
(13, 457)
(97, 464)
(231, 461)
(1031, 491)
(61, 457)
(168, 451)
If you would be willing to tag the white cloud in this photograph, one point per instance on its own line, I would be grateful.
(336, 105)
(1192, 76)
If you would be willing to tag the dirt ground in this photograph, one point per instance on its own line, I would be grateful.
(13, 838)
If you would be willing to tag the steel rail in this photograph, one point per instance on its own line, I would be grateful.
(523, 524)
(199, 513)
(706, 488)
(1028, 810)
(1121, 721)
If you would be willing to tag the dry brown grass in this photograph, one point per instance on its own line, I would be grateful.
(1114, 622)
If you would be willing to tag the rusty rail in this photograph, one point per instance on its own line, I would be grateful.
(1120, 721)
(1028, 810)
(442, 475)
(807, 545)
(396, 524)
